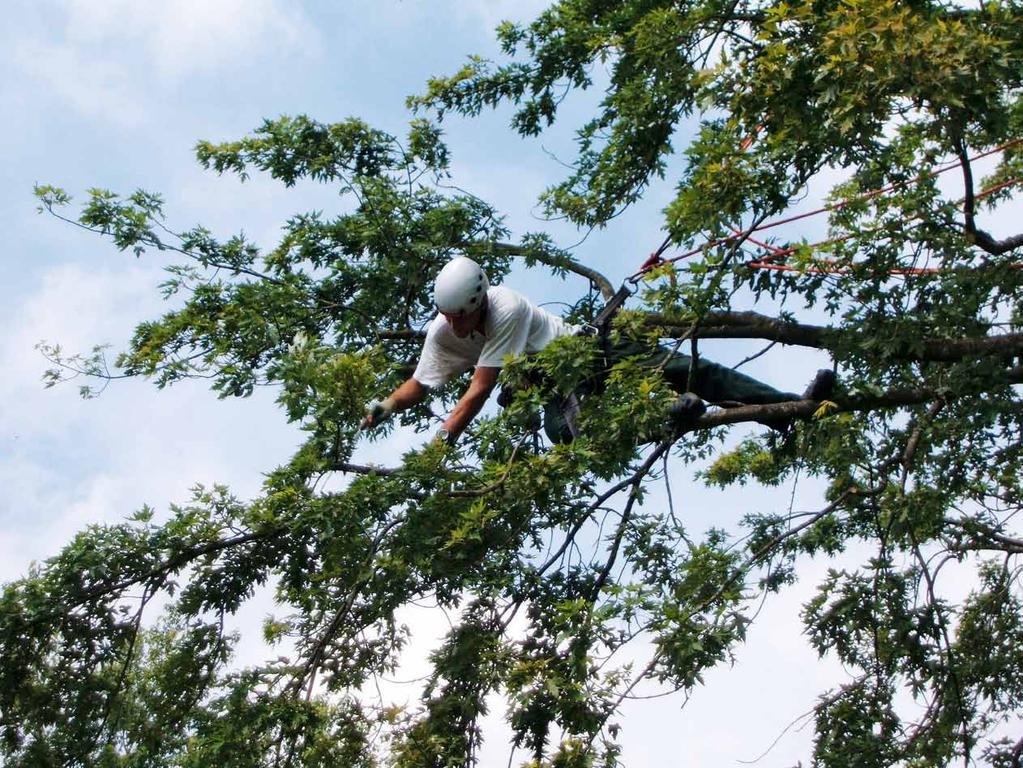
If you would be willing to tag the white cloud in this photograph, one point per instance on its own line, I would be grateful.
(93, 87)
(115, 60)
(185, 37)
(491, 13)
(76, 307)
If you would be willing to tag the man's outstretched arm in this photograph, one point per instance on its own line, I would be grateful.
(484, 379)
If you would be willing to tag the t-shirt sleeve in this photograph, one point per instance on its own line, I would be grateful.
(510, 332)
(437, 364)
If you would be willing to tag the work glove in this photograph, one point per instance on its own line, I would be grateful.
(377, 412)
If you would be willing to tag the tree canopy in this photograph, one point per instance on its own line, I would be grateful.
(547, 553)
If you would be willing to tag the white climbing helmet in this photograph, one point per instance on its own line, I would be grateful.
(460, 287)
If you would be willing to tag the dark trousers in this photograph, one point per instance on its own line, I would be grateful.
(713, 383)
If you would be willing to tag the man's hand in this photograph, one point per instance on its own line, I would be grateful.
(377, 412)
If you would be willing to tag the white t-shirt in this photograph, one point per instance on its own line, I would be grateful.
(513, 326)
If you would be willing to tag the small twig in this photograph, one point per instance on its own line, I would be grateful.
(779, 737)
(914, 440)
(599, 501)
(598, 585)
(497, 484)
(754, 356)
(976, 236)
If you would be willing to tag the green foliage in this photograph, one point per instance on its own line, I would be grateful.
(550, 559)
(750, 460)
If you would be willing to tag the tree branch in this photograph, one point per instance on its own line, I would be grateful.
(793, 409)
(995, 540)
(914, 441)
(319, 647)
(983, 240)
(979, 237)
(179, 561)
(561, 262)
(402, 334)
(752, 325)
(363, 469)
(153, 241)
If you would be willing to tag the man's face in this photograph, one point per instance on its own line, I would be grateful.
(464, 323)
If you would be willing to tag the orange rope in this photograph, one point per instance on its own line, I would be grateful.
(779, 253)
(884, 190)
(656, 259)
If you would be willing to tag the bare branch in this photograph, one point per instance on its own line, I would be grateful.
(914, 441)
(751, 325)
(795, 409)
(983, 240)
(402, 334)
(364, 469)
(562, 262)
(979, 237)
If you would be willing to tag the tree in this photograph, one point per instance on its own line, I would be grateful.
(921, 448)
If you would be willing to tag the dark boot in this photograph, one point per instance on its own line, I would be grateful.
(822, 386)
(686, 408)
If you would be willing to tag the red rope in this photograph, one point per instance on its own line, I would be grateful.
(779, 253)
(884, 190)
(655, 258)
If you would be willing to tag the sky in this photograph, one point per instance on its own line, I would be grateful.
(115, 94)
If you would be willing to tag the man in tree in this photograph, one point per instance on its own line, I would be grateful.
(555, 565)
(479, 325)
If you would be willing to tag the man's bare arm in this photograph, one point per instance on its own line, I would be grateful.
(409, 393)
(484, 380)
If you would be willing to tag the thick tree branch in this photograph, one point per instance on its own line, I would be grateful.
(983, 240)
(893, 398)
(751, 325)
(774, 412)
(984, 537)
(402, 334)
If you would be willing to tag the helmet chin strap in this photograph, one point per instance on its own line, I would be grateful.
(481, 325)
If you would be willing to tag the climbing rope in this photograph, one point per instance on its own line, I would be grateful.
(776, 254)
